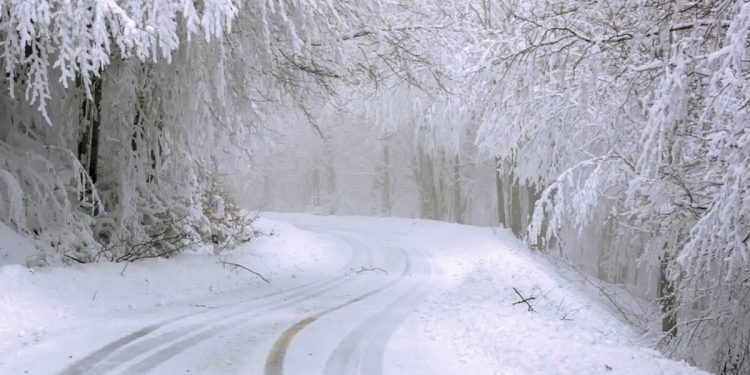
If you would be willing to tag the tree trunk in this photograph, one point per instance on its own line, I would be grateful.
(428, 192)
(316, 186)
(95, 125)
(487, 13)
(386, 188)
(88, 138)
(516, 219)
(458, 209)
(331, 194)
(501, 219)
(85, 130)
(665, 293)
(533, 195)
(84, 138)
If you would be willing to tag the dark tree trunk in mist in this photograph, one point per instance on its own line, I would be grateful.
(458, 207)
(84, 138)
(516, 219)
(533, 195)
(386, 188)
(332, 196)
(95, 126)
(428, 191)
(316, 186)
(499, 189)
(665, 293)
(88, 139)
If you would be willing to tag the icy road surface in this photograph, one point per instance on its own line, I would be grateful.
(348, 295)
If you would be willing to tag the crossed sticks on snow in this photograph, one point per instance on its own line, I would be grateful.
(524, 300)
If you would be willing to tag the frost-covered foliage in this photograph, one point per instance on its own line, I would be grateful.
(119, 116)
(106, 156)
(613, 133)
(633, 116)
(79, 39)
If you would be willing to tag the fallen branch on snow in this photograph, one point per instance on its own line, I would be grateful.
(524, 300)
(235, 265)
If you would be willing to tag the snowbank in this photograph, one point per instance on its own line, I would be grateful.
(36, 304)
(480, 318)
(14, 249)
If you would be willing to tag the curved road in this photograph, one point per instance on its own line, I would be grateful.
(338, 324)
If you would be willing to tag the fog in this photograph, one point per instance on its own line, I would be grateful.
(347, 164)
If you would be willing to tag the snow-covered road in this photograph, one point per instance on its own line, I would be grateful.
(348, 296)
(270, 324)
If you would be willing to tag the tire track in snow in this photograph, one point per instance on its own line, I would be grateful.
(125, 348)
(176, 347)
(362, 350)
(275, 359)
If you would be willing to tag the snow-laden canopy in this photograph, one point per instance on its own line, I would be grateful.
(613, 133)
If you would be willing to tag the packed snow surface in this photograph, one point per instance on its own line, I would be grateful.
(347, 295)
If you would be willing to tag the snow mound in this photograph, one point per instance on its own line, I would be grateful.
(480, 315)
(14, 249)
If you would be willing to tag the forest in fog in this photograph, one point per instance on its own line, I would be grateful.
(612, 135)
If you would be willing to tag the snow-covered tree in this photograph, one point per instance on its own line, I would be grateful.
(620, 108)
(612, 133)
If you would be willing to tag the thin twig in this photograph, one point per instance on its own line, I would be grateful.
(244, 268)
(74, 258)
(122, 273)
